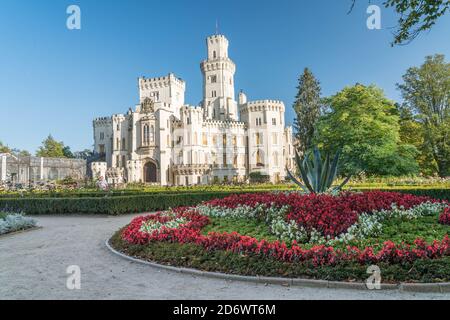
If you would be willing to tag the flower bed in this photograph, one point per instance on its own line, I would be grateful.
(317, 230)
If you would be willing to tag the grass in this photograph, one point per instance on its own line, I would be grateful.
(3, 215)
(194, 256)
(396, 230)
(248, 227)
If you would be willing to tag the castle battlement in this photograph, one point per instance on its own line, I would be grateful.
(160, 82)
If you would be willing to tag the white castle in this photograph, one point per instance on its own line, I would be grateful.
(167, 142)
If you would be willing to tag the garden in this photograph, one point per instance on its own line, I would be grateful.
(319, 231)
(293, 234)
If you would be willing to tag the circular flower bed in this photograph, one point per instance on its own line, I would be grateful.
(291, 233)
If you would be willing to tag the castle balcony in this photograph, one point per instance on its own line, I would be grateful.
(191, 169)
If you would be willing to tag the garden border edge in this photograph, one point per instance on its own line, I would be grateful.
(443, 287)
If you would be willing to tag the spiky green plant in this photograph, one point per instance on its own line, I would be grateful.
(316, 175)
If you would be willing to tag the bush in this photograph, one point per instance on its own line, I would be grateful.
(138, 201)
(108, 205)
(15, 222)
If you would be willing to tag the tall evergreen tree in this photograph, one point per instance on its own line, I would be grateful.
(307, 109)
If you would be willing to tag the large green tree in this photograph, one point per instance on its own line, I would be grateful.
(307, 109)
(426, 92)
(363, 123)
(412, 132)
(415, 16)
(51, 148)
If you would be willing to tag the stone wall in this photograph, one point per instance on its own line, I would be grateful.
(36, 169)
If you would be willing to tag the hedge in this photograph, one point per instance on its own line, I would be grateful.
(107, 205)
(144, 202)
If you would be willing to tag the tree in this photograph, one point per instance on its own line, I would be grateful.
(51, 148)
(416, 16)
(23, 153)
(68, 153)
(412, 132)
(307, 108)
(4, 149)
(362, 122)
(426, 92)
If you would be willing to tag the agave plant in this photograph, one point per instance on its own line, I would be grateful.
(317, 176)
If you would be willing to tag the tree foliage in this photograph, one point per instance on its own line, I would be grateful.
(426, 93)
(4, 148)
(416, 16)
(51, 148)
(307, 108)
(363, 122)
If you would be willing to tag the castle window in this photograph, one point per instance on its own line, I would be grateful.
(214, 54)
(101, 148)
(259, 159)
(102, 136)
(274, 138)
(214, 94)
(123, 144)
(275, 159)
(274, 121)
(213, 79)
(146, 134)
(152, 134)
(234, 141)
(124, 161)
(258, 139)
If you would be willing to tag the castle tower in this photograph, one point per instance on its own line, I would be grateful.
(218, 81)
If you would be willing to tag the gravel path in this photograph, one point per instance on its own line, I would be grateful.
(33, 266)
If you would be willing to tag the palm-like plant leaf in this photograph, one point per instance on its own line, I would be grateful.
(317, 176)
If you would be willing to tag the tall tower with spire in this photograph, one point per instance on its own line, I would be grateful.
(218, 81)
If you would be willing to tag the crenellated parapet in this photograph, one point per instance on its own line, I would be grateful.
(161, 82)
(224, 124)
(102, 122)
(218, 64)
(262, 105)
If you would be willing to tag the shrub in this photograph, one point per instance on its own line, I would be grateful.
(15, 222)
(107, 205)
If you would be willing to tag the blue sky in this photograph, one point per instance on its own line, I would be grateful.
(56, 81)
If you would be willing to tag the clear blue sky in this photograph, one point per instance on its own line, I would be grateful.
(56, 81)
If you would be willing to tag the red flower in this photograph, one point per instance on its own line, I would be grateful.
(445, 217)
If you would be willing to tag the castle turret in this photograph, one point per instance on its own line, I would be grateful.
(218, 81)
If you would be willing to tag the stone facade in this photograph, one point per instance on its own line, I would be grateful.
(167, 142)
(29, 170)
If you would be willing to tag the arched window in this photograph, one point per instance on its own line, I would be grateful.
(124, 147)
(214, 54)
